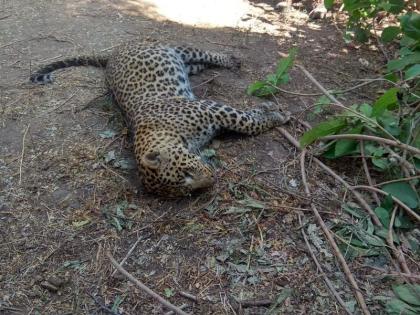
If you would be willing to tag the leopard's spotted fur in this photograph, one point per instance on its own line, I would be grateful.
(150, 84)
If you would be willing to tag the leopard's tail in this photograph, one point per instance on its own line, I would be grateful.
(43, 75)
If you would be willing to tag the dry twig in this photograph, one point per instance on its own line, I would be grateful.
(143, 287)
(338, 255)
(22, 154)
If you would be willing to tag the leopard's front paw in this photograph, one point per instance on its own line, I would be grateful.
(234, 62)
(273, 110)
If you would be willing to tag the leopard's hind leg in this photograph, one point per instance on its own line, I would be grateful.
(194, 56)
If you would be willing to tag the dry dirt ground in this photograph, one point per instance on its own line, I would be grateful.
(69, 191)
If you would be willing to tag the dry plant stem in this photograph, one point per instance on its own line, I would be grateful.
(376, 139)
(143, 287)
(318, 265)
(390, 239)
(396, 200)
(356, 194)
(359, 297)
(22, 154)
(341, 105)
(366, 168)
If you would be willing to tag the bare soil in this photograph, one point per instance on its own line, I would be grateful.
(66, 181)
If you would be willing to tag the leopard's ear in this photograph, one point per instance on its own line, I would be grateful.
(151, 160)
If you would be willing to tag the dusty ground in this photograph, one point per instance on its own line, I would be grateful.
(67, 176)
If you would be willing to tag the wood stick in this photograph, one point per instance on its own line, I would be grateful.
(359, 297)
(143, 287)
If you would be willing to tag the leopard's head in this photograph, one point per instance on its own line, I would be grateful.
(174, 172)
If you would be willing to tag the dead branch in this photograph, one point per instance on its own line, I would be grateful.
(338, 255)
(143, 287)
(318, 265)
(356, 194)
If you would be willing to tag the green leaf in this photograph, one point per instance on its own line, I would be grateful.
(395, 6)
(386, 101)
(107, 134)
(409, 293)
(361, 34)
(285, 64)
(252, 88)
(323, 129)
(412, 72)
(117, 302)
(410, 24)
(328, 4)
(401, 63)
(347, 146)
(390, 33)
(169, 292)
(383, 215)
(403, 192)
(381, 163)
(398, 307)
(390, 122)
(366, 110)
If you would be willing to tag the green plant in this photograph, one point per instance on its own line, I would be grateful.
(269, 85)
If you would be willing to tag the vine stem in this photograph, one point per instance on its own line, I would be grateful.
(366, 168)
(374, 138)
(356, 194)
(333, 244)
(336, 102)
(396, 200)
(390, 239)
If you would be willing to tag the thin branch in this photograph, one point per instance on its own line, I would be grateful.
(333, 244)
(22, 154)
(396, 200)
(374, 138)
(356, 194)
(319, 94)
(143, 287)
(366, 168)
(318, 265)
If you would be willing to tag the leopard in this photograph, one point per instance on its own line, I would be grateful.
(150, 83)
